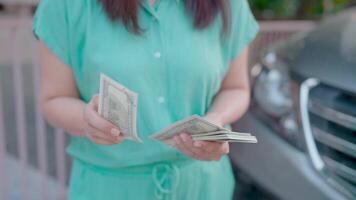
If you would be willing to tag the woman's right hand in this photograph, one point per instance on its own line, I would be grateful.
(98, 129)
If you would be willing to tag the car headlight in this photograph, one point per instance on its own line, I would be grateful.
(273, 97)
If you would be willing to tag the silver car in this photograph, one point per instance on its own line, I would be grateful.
(304, 115)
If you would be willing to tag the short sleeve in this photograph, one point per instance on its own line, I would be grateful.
(244, 29)
(51, 26)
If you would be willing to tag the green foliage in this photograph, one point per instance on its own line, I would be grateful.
(296, 9)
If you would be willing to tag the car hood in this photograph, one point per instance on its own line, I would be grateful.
(329, 52)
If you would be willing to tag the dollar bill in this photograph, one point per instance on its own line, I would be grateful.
(118, 105)
(192, 125)
(203, 130)
(230, 137)
(222, 133)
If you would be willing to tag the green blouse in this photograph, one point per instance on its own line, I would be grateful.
(176, 69)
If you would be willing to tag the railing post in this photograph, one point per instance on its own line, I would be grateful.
(40, 127)
(20, 111)
(3, 177)
(60, 160)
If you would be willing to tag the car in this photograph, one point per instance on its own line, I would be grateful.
(303, 112)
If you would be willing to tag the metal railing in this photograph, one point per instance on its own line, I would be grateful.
(33, 163)
(27, 167)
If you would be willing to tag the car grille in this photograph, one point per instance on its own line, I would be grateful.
(332, 116)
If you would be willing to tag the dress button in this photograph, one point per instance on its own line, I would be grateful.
(157, 54)
(161, 99)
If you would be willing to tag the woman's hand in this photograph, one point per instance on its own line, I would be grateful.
(202, 150)
(97, 129)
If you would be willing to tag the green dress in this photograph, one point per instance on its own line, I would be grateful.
(176, 70)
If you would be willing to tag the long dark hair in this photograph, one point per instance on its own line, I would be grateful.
(203, 12)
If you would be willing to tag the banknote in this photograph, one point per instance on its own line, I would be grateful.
(118, 105)
(193, 125)
(222, 137)
(201, 129)
(229, 136)
(223, 132)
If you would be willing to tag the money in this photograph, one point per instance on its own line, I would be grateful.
(227, 136)
(201, 130)
(118, 105)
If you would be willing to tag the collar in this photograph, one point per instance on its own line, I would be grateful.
(178, 1)
(146, 6)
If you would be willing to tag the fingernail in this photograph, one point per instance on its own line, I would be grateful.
(198, 144)
(115, 132)
(183, 137)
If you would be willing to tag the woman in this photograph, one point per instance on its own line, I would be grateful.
(181, 57)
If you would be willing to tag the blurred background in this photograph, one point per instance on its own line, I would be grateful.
(33, 163)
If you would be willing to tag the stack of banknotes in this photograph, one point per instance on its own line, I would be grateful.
(118, 105)
(201, 130)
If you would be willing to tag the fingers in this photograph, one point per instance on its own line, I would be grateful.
(99, 140)
(99, 130)
(188, 144)
(225, 148)
(211, 147)
(92, 117)
(95, 102)
(95, 132)
(179, 146)
(201, 150)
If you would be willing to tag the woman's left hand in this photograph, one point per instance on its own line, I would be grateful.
(202, 150)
